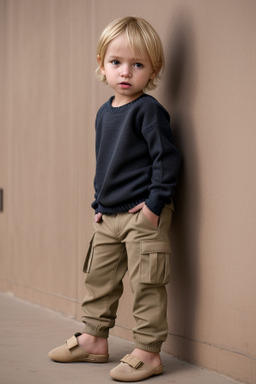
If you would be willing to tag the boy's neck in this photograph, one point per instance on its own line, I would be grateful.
(120, 100)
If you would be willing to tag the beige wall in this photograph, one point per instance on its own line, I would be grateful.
(48, 101)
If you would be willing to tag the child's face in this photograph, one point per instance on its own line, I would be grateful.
(127, 72)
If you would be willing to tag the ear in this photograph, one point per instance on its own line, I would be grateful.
(102, 69)
(154, 73)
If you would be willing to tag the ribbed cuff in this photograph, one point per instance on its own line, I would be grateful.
(155, 348)
(155, 205)
(98, 330)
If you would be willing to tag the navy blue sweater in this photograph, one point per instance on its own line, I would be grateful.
(136, 159)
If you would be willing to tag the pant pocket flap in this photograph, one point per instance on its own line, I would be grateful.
(155, 247)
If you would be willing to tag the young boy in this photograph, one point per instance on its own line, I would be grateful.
(136, 174)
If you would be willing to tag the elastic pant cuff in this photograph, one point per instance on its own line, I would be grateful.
(155, 348)
(96, 331)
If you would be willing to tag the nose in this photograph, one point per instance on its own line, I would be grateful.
(125, 71)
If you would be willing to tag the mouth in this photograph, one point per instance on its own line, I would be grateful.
(125, 85)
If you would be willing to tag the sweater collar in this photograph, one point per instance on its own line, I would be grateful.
(125, 106)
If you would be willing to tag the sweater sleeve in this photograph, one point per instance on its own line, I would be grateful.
(95, 204)
(166, 159)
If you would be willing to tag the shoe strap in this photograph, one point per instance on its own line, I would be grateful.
(133, 361)
(72, 342)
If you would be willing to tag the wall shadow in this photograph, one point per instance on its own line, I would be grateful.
(179, 94)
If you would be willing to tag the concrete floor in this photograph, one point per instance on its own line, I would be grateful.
(28, 332)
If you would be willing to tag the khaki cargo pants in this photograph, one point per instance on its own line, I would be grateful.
(122, 242)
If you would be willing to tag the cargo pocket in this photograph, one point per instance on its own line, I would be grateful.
(88, 257)
(155, 262)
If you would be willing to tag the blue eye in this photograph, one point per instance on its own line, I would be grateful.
(138, 65)
(115, 62)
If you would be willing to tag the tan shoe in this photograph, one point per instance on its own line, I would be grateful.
(132, 369)
(71, 352)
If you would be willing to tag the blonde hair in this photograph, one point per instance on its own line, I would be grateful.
(140, 35)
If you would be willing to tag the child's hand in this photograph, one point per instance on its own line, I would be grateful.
(146, 211)
(98, 217)
(137, 208)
